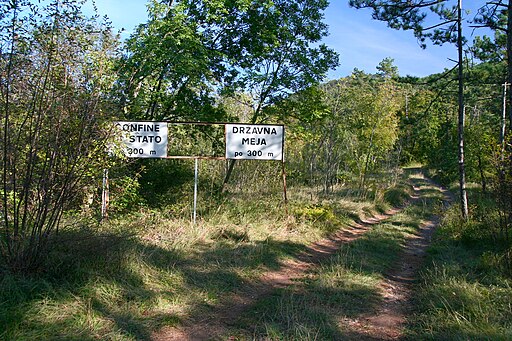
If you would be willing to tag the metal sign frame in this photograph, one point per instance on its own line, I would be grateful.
(202, 157)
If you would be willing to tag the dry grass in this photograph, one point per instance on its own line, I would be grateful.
(140, 272)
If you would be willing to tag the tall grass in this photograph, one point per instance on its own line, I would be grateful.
(130, 276)
(464, 293)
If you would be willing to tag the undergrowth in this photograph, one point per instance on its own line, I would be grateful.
(130, 276)
(466, 290)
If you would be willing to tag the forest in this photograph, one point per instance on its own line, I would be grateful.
(433, 150)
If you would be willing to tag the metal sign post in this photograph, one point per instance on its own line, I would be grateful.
(196, 173)
(105, 196)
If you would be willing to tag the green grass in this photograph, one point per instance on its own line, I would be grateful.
(138, 273)
(135, 274)
(345, 288)
(464, 294)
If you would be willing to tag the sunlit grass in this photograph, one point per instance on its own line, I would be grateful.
(135, 274)
(462, 295)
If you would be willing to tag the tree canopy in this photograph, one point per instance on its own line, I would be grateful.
(191, 50)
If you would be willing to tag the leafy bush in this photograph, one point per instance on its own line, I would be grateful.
(124, 192)
(315, 213)
(397, 196)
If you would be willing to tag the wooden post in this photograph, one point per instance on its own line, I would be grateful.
(285, 195)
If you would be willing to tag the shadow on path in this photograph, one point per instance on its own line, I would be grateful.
(387, 307)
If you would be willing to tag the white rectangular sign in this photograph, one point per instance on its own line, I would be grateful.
(144, 139)
(254, 142)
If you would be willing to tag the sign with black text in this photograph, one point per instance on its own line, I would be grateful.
(144, 139)
(254, 142)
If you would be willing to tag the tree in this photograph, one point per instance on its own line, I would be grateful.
(167, 71)
(411, 15)
(497, 15)
(461, 116)
(54, 79)
(191, 49)
(352, 134)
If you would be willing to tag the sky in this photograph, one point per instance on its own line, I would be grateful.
(361, 42)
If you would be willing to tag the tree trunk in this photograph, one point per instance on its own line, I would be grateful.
(462, 171)
(509, 58)
(228, 174)
(505, 171)
(232, 162)
(482, 173)
(370, 148)
(503, 128)
(507, 132)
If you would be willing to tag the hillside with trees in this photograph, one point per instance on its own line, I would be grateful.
(370, 161)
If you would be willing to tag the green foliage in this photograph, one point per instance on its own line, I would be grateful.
(428, 131)
(196, 140)
(187, 50)
(124, 191)
(55, 76)
(167, 183)
(412, 15)
(314, 213)
(351, 133)
(492, 15)
(166, 69)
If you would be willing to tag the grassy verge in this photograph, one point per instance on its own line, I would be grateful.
(464, 295)
(135, 274)
(326, 303)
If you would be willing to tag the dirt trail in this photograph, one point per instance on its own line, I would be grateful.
(384, 325)
(396, 290)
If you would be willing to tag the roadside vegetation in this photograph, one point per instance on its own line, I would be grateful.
(465, 289)
(346, 289)
(67, 271)
(136, 273)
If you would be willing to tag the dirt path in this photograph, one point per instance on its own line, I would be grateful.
(396, 289)
(385, 325)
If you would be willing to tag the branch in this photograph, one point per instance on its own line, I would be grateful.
(443, 75)
(440, 24)
(497, 4)
(408, 4)
(492, 27)
(437, 96)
